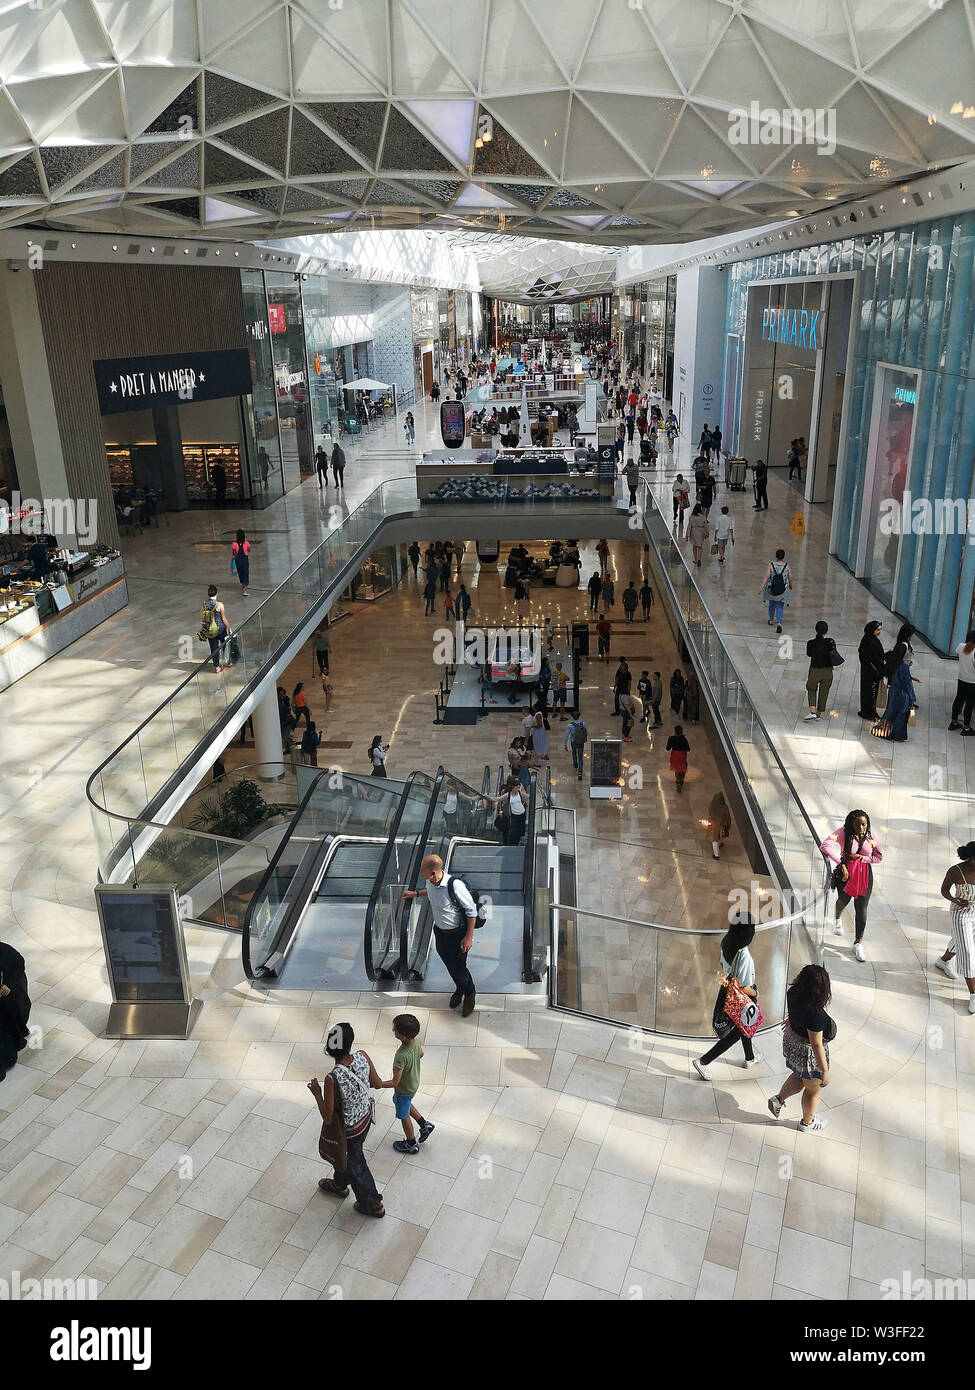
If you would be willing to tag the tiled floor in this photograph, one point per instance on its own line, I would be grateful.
(571, 1159)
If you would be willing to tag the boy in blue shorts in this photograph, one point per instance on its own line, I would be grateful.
(406, 1082)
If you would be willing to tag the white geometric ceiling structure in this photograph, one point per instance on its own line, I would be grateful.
(532, 270)
(612, 121)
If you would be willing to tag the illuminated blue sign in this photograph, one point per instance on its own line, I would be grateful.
(791, 326)
(904, 397)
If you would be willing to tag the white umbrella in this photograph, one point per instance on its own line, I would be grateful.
(366, 383)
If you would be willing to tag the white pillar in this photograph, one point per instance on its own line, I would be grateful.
(268, 744)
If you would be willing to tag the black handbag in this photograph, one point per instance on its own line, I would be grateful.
(835, 659)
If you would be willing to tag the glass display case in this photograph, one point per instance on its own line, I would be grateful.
(199, 460)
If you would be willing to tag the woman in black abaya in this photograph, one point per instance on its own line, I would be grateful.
(14, 1006)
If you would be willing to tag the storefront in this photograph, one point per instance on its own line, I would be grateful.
(897, 410)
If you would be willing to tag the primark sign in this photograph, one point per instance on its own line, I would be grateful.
(142, 383)
(792, 327)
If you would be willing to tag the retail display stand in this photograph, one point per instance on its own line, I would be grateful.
(605, 769)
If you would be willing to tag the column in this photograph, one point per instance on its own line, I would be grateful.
(169, 457)
(268, 745)
(29, 400)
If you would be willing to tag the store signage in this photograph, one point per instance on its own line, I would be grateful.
(797, 327)
(902, 396)
(140, 383)
(276, 318)
(453, 423)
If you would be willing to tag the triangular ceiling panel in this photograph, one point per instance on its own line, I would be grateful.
(457, 30)
(590, 146)
(823, 24)
(148, 92)
(538, 123)
(622, 52)
(98, 117)
(451, 122)
(313, 153)
(260, 54)
(909, 67)
(516, 58)
(173, 38)
(737, 65)
(21, 179)
(182, 113)
(180, 173)
(109, 175)
(406, 148)
(264, 139)
(419, 65)
(229, 100)
(319, 70)
(44, 102)
(696, 152)
(569, 36)
(222, 23)
(809, 80)
(358, 123)
(71, 32)
(358, 30)
(62, 163)
(186, 208)
(643, 127)
(221, 167)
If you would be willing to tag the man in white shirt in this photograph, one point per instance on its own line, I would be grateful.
(453, 933)
(723, 531)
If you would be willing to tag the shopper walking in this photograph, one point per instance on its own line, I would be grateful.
(958, 887)
(677, 684)
(560, 688)
(678, 748)
(512, 810)
(853, 850)
(761, 487)
(300, 701)
(321, 466)
(14, 1007)
(646, 600)
(604, 636)
(632, 475)
(595, 588)
(215, 627)
(410, 428)
(823, 656)
(697, 532)
(430, 597)
(682, 500)
(656, 696)
(414, 553)
(322, 651)
(964, 701)
(602, 550)
(901, 696)
(806, 1037)
(776, 589)
(735, 964)
(608, 593)
(240, 560)
(344, 1097)
(630, 600)
(719, 823)
(872, 662)
(455, 917)
(338, 464)
(463, 603)
(622, 681)
(310, 740)
(377, 756)
(724, 531)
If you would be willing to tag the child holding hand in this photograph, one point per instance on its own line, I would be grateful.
(405, 1083)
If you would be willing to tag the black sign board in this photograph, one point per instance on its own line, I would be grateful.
(606, 762)
(143, 942)
(140, 383)
(607, 463)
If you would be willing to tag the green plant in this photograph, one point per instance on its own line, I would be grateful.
(206, 815)
(241, 807)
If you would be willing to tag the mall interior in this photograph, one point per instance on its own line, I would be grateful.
(379, 389)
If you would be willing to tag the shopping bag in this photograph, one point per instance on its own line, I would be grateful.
(742, 1009)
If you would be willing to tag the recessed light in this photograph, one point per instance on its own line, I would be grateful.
(237, 253)
(152, 250)
(114, 247)
(216, 253)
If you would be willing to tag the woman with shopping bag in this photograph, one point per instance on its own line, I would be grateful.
(736, 1016)
(853, 850)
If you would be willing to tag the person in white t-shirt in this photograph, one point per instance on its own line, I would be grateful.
(682, 499)
(964, 701)
(724, 531)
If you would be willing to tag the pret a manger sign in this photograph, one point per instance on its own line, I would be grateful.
(140, 383)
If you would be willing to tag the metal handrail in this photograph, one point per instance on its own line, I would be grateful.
(411, 781)
(528, 886)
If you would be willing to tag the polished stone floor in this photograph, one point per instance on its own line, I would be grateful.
(571, 1159)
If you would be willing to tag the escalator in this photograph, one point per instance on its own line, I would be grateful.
(329, 912)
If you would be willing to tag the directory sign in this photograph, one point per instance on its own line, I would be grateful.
(453, 424)
(606, 762)
(143, 940)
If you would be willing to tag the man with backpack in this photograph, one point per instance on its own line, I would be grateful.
(576, 737)
(776, 589)
(455, 915)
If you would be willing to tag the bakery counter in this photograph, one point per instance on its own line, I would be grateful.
(37, 620)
